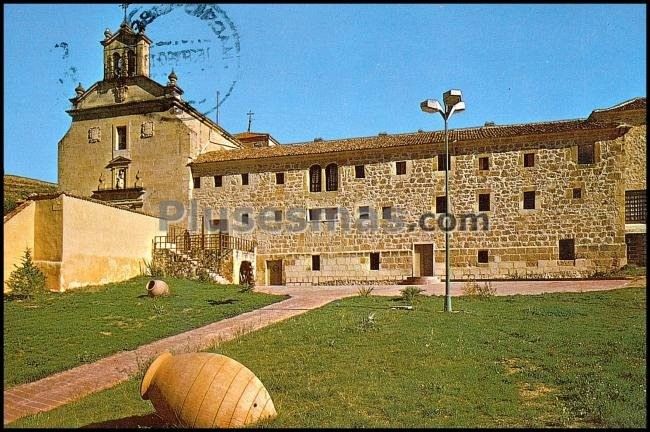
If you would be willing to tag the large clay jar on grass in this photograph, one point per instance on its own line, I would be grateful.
(157, 288)
(203, 390)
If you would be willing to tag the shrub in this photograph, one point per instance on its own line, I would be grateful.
(154, 268)
(365, 291)
(473, 288)
(27, 279)
(368, 323)
(410, 293)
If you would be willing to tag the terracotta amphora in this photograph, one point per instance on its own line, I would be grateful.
(203, 390)
(157, 288)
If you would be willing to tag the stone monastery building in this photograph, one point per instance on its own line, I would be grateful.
(564, 198)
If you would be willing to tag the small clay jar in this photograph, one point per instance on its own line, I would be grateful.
(205, 390)
(157, 288)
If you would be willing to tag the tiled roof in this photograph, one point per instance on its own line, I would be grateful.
(632, 104)
(399, 140)
(244, 135)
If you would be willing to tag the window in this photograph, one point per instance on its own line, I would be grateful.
(314, 179)
(484, 163)
(360, 171)
(244, 218)
(197, 182)
(279, 178)
(441, 162)
(529, 160)
(635, 206)
(482, 256)
(315, 214)
(387, 212)
(567, 249)
(529, 200)
(484, 202)
(331, 177)
(315, 262)
(117, 65)
(121, 137)
(220, 224)
(585, 154)
(330, 213)
(374, 261)
(441, 204)
(577, 193)
(244, 179)
(218, 181)
(131, 63)
(400, 168)
(278, 215)
(364, 212)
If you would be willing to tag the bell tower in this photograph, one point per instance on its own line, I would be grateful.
(126, 53)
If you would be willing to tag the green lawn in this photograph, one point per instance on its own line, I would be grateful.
(57, 331)
(526, 361)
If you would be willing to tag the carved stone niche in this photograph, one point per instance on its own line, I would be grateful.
(94, 135)
(146, 130)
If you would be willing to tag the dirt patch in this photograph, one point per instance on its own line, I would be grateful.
(515, 365)
(530, 391)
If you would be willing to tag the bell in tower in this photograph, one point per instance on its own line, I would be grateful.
(126, 53)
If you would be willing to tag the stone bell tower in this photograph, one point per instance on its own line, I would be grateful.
(126, 53)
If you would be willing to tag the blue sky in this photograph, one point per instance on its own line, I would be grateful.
(333, 71)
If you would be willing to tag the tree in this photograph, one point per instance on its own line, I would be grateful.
(27, 279)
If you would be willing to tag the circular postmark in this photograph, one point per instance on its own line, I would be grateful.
(204, 57)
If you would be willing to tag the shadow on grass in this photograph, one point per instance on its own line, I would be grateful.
(222, 302)
(133, 422)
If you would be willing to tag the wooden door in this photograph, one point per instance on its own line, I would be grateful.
(275, 272)
(424, 259)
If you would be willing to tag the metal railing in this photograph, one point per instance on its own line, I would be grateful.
(193, 244)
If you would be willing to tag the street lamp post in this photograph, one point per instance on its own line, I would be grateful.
(453, 102)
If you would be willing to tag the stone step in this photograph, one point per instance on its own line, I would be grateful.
(420, 280)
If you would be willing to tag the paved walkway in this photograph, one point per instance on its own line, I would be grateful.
(64, 387)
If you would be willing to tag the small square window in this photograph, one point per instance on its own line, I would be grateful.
(218, 181)
(244, 218)
(387, 212)
(219, 224)
(360, 171)
(441, 162)
(482, 256)
(197, 182)
(315, 262)
(484, 163)
(484, 202)
(278, 215)
(364, 212)
(577, 193)
(244, 179)
(586, 154)
(441, 204)
(529, 200)
(279, 178)
(374, 261)
(529, 160)
(567, 249)
(400, 168)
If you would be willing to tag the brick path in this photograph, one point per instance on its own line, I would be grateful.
(64, 387)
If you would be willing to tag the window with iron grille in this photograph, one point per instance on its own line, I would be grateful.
(374, 261)
(331, 177)
(218, 181)
(567, 249)
(314, 179)
(315, 262)
(586, 154)
(441, 204)
(360, 171)
(279, 178)
(635, 206)
(484, 163)
(400, 168)
(482, 256)
(529, 160)
(529, 200)
(484, 202)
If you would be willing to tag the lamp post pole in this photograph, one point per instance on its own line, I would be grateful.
(453, 102)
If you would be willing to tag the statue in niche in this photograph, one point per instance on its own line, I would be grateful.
(101, 182)
(119, 182)
(137, 179)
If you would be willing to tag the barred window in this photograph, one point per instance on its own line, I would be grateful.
(635, 206)
(586, 154)
(331, 177)
(359, 171)
(484, 163)
(529, 160)
(567, 249)
(529, 200)
(314, 179)
(400, 168)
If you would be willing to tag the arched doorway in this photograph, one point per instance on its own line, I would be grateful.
(246, 273)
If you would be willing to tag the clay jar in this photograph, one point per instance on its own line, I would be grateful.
(203, 390)
(157, 288)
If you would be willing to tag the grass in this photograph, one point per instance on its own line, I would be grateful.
(57, 331)
(570, 359)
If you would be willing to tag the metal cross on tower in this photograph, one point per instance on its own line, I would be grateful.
(250, 119)
(124, 6)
